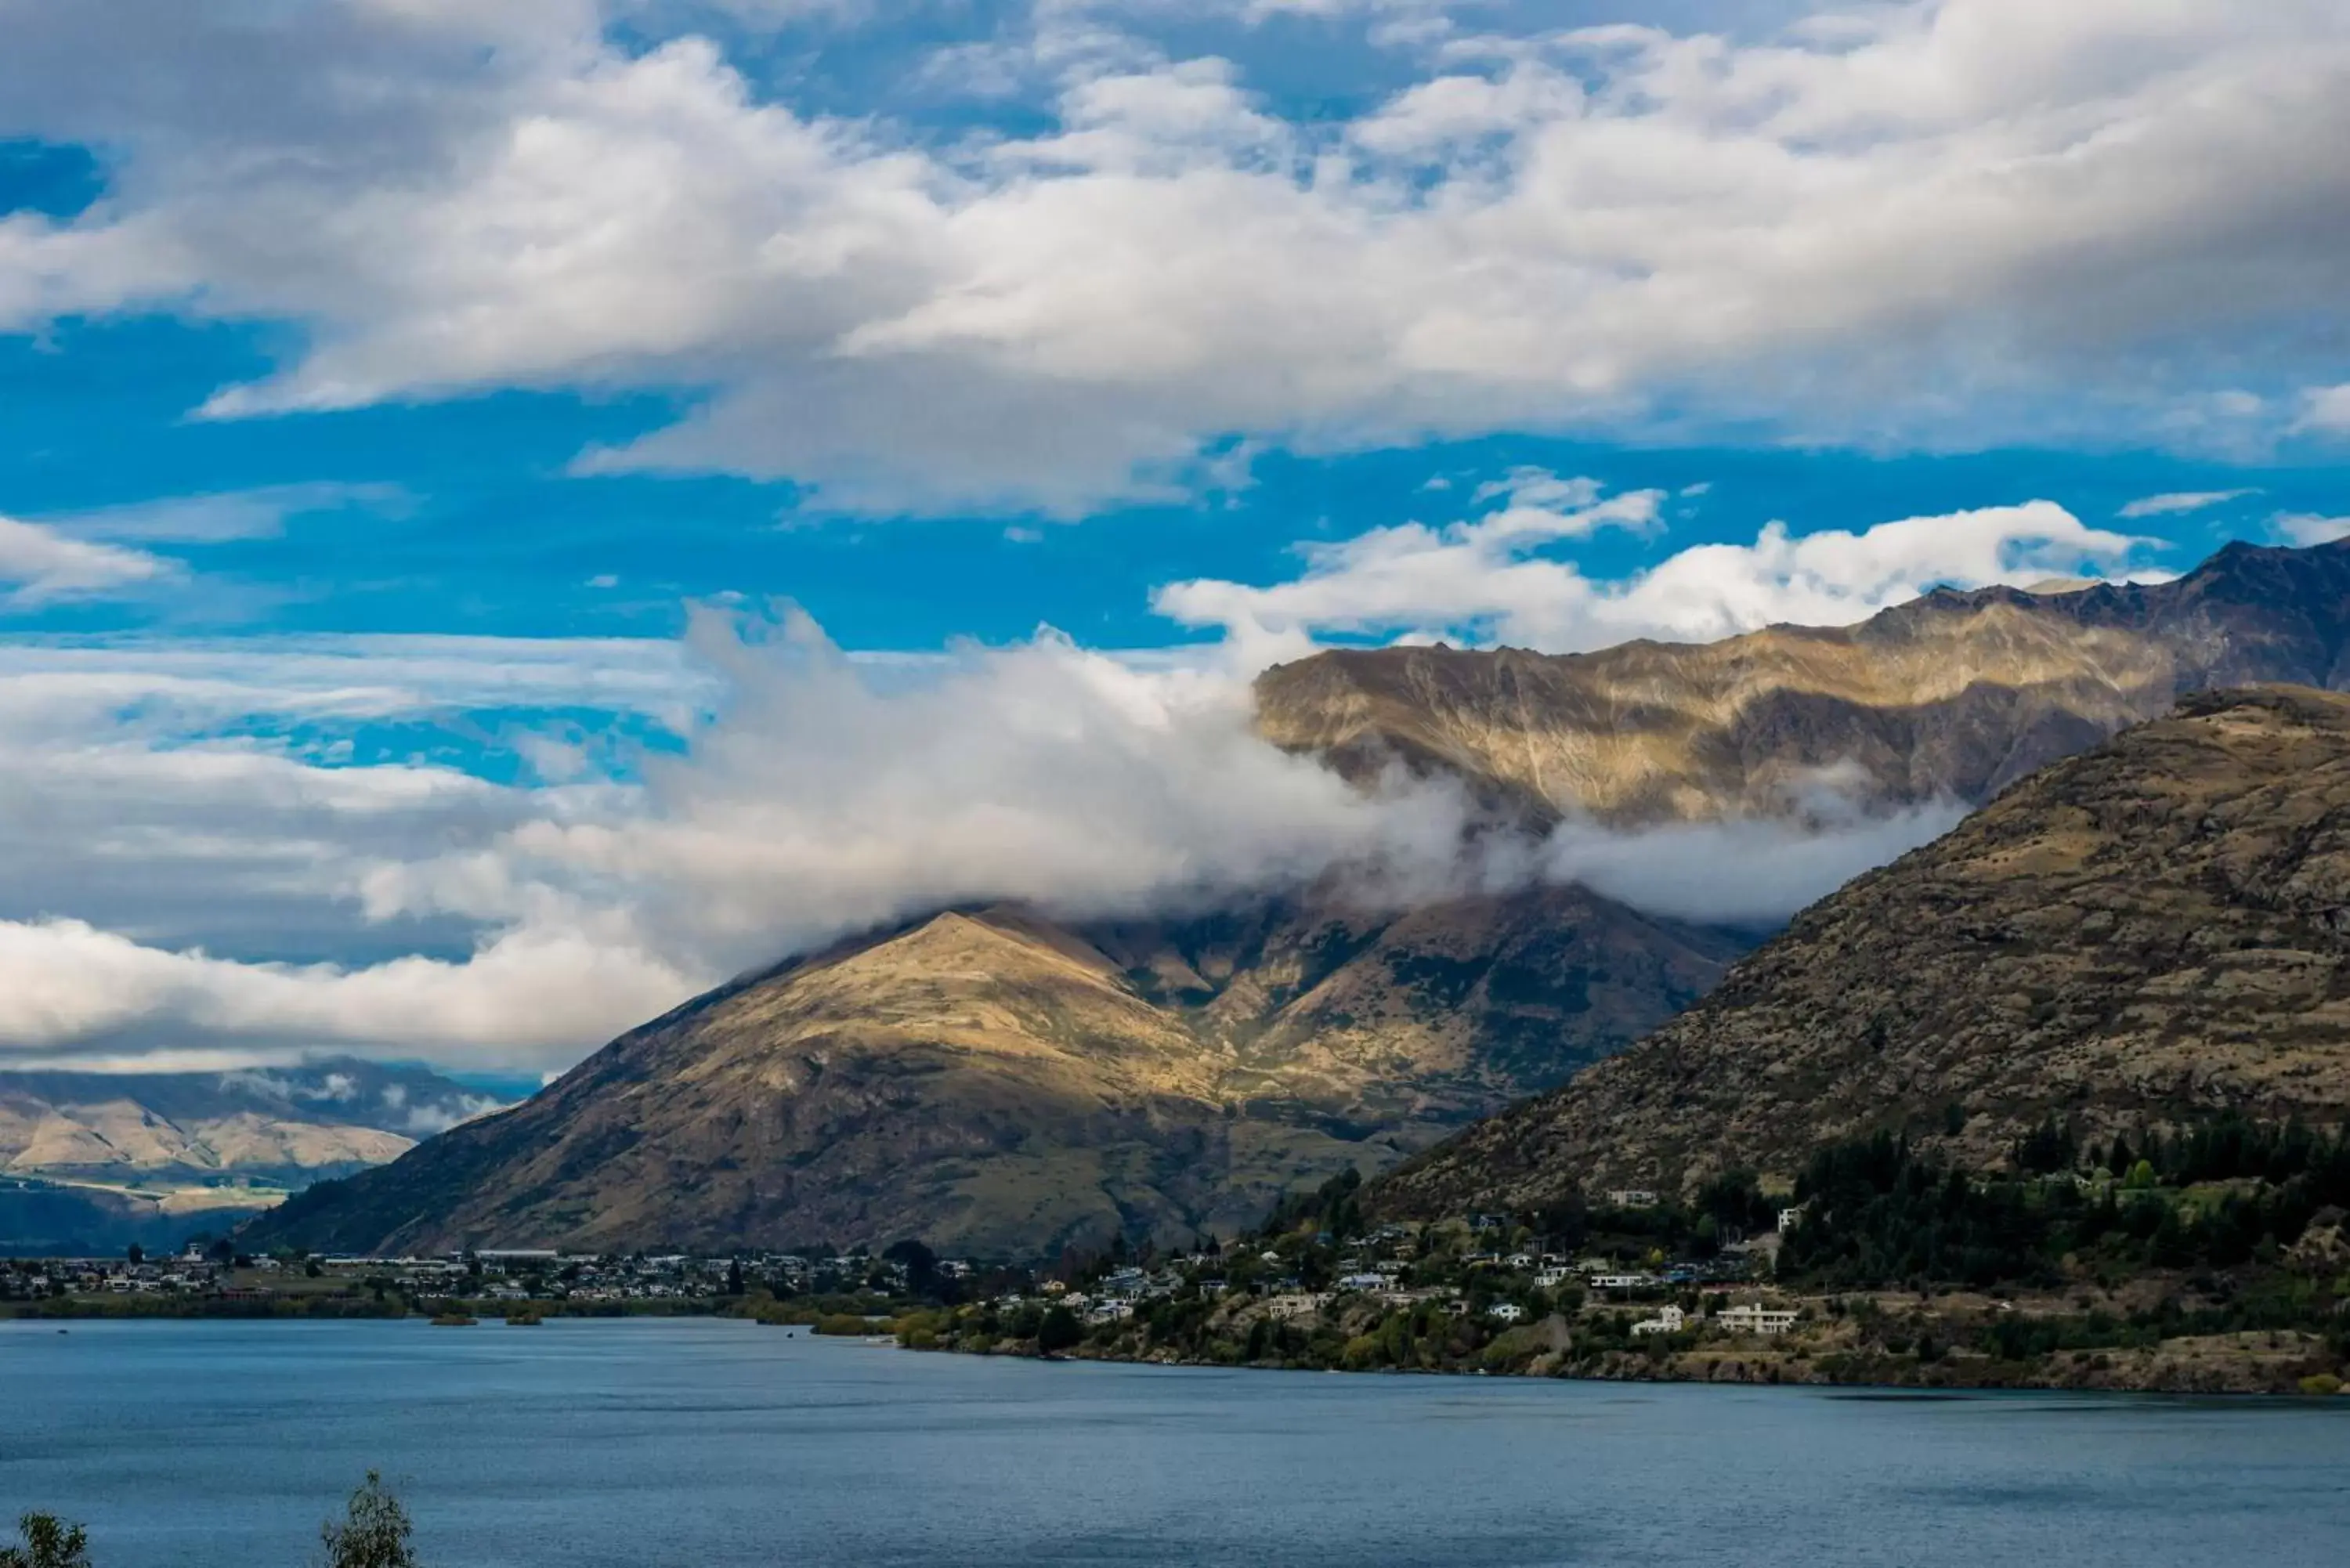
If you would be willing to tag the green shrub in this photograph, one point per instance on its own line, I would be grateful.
(49, 1542)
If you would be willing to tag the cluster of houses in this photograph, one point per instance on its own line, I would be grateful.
(1384, 1268)
(488, 1274)
(192, 1272)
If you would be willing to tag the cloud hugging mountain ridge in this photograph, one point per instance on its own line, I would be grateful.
(998, 1081)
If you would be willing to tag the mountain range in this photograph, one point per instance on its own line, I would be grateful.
(89, 1161)
(1000, 1080)
(1952, 696)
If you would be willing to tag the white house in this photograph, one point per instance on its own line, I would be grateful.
(1550, 1279)
(1297, 1303)
(1632, 1197)
(1790, 1217)
(1622, 1282)
(1755, 1319)
(1367, 1282)
(1508, 1312)
(1668, 1320)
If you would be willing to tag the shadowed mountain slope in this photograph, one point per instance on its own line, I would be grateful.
(2152, 932)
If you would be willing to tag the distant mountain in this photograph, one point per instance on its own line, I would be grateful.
(290, 1125)
(2146, 935)
(1951, 696)
(91, 1160)
(996, 1082)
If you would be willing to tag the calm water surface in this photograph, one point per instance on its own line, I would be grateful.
(599, 1445)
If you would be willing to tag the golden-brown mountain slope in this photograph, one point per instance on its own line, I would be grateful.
(1951, 696)
(283, 1124)
(994, 1083)
(2153, 931)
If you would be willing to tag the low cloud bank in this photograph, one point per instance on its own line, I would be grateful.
(824, 796)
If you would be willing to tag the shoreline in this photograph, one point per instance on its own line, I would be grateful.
(1822, 1353)
(1748, 1368)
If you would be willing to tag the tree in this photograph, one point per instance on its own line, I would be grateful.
(137, 1255)
(1059, 1331)
(49, 1542)
(374, 1530)
(734, 1276)
(922, 1265)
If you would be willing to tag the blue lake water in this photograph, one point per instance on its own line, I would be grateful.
(645, 1444)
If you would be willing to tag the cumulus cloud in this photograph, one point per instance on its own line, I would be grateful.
(827, 799)
(1937, 222)
(1487, 580)
(70, 983)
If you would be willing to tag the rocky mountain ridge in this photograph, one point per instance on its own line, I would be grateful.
(2146, 935)
(1950, 696)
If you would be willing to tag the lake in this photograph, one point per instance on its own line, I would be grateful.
(650, 1443)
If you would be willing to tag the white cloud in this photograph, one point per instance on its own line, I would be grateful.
(1485, 580)
(1751, 870)
(210, 518)
(2178, 503)
(194, 685)
(828, 798)
(2305, 529)
(40, 565)
(156, 875)
(2324, 411)
(1941, 221)
(529, 993)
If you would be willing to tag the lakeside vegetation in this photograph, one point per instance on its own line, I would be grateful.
(2213, 1257)
(374, 1532)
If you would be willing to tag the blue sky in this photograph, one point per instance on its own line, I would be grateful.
(415, 415)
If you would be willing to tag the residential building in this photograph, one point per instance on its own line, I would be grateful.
(1668, 1320)
(1755, 1319)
